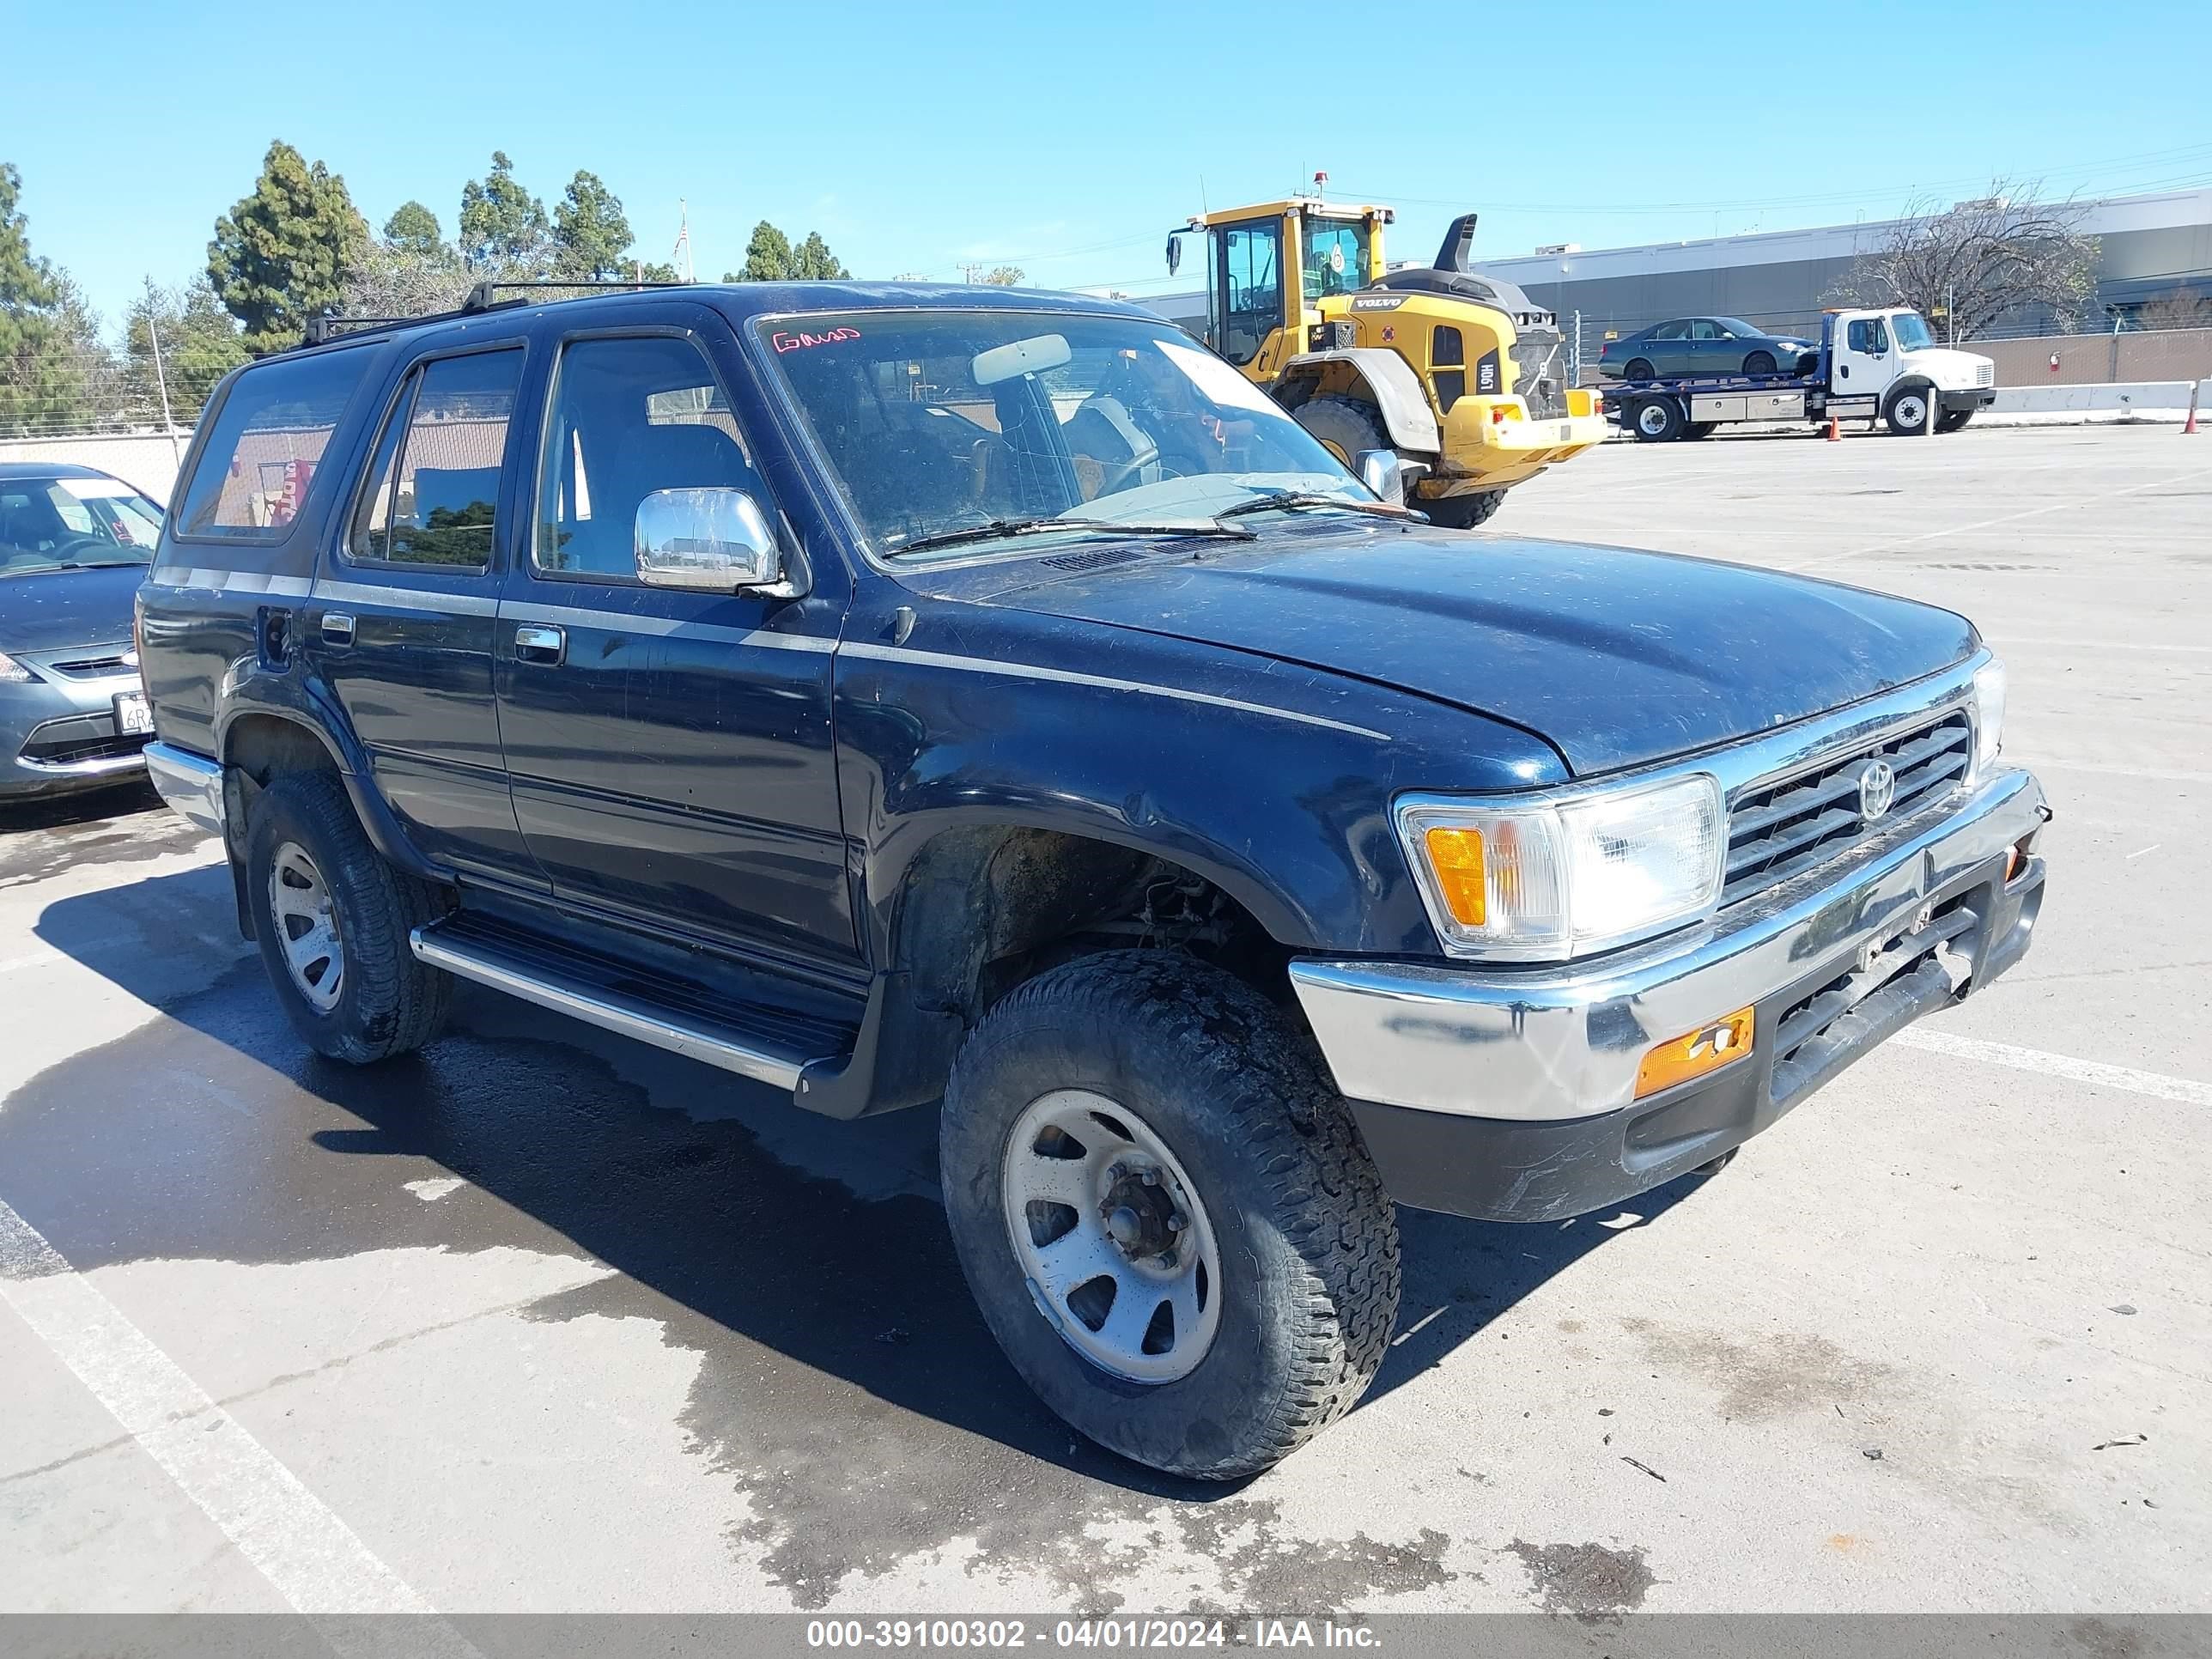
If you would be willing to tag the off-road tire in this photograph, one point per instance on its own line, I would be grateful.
(1640, 369)
(1951, 420)
(1760, 362)
(1463, 512)
(1344, 426)
(1308, 1236)
(388, 1002)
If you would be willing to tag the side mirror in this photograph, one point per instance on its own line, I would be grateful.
(708, 541)
(1175, 251)
(1387, 473)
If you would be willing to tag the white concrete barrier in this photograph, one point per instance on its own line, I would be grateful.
(2139, 400)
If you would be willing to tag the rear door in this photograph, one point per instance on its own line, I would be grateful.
(1668, 346)
(399, 624)
(1709, 348)
(669, 752)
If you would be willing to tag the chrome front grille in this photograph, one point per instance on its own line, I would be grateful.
(1986, 374)
(1778, 830)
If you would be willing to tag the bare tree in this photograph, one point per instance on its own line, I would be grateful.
(1968, 266)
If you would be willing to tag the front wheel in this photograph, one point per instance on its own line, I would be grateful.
(1166, 1213)
(1907, 413)
(1464, 512)
(1760, 362)
(1344, 426)
(332, 918)
(1954, 419)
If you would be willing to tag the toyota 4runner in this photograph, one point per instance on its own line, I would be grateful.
(905, 696)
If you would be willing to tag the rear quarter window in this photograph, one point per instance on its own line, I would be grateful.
(268, 440)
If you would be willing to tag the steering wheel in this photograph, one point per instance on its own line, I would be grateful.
(1118, 477)
(68, 547)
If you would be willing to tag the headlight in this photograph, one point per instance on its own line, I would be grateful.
(12, 669)
(1988, 714)
(1558, 878)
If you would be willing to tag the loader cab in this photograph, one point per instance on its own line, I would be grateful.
(1269, 266)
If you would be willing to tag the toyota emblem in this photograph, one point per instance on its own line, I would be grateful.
(1877, 789)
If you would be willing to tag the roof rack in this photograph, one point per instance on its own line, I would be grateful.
(321, 331)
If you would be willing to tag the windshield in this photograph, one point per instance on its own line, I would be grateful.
(1910, 330)
(57, 524)
(936, 422)
(1334, 259)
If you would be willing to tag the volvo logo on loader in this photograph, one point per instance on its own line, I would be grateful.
(1877, 789)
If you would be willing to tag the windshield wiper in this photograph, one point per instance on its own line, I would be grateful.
(1290, 498)
(999, 529)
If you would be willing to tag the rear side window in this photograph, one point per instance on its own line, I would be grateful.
(433, 490)
(268, 440)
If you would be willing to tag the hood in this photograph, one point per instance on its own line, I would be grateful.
(1947, 367)
(55, 609)
(1615, 658)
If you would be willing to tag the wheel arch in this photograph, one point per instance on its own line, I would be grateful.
(1374, 375)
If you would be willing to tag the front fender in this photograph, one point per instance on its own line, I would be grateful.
(1271, 780)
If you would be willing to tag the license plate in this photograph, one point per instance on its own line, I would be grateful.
(132, 717)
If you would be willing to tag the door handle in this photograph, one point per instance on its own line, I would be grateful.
(338, 628)
(537, 643)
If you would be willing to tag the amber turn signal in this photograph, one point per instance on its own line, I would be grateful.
(1455, 855)
(1705, 1049)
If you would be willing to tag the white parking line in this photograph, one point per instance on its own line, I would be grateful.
(317, 1563)
(2187, 1090)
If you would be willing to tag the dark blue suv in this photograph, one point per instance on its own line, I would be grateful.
(905, 696)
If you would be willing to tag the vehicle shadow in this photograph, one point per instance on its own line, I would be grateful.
(779, 1244)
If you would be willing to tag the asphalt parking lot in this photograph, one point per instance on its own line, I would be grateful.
(540, 1320)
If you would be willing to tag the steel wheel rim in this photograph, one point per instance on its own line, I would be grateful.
(307, 927)
(1911, 410)
(1651, 419)
(1080, 1209)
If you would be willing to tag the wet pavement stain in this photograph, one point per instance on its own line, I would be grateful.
(40, 839)
(856, 1453)
(1586, 1580)
(1763, 1377)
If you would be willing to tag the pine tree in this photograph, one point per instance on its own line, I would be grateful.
(199, 341)
(815, 261)
(31, 324)
(503, 227)
(591, 233)
(768, 257)
(281, 255)
(413, 229)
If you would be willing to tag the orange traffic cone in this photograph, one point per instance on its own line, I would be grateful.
(1835, 430)
(2190, 425)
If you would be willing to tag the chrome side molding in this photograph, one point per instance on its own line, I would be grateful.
(610, 1010)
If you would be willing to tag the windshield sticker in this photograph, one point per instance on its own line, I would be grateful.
(96, 489)
(1219, 382)
(783, 341)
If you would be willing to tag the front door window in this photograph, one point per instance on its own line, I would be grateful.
(1251, 288)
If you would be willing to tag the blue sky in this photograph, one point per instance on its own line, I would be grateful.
(1068, 138)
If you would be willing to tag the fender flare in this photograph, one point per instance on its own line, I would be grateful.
(1398, 392)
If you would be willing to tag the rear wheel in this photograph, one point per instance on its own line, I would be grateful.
(332, 918)
(1658, 420)
(1907, 411)
(1699, 429)
(1464, 512)
(1640, 369)
(1951, 420)
(1760, 362)
(1344, 426)
(1166, 1213)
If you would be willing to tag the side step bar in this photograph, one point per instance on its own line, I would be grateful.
(567, 986)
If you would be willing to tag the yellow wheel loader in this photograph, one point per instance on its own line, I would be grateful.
(1456, 372)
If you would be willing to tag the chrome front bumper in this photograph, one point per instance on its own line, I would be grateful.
(191, 784)
(1565, 1043)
